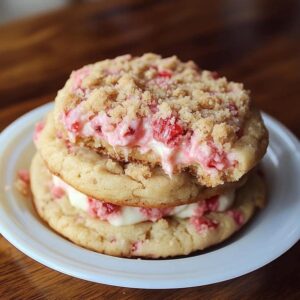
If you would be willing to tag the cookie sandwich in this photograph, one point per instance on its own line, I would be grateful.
(148, 157)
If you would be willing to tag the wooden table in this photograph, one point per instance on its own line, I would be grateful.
(256, 42)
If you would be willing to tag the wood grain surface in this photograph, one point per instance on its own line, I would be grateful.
(256, 42)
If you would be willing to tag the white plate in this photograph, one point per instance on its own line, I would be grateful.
(270, 234)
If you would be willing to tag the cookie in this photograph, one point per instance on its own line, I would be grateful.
(166, 237)
(163, 112)
(130, 184)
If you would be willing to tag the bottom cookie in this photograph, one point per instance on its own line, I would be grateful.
(163, 238)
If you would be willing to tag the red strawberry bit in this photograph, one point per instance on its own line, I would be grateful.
(57, 192)
(155, 214)
(70, 147)
(24, 176)
(164, 74)
(75, 127)
(233, 109)
(135, 246)
(218, 161)
(39, 126)
(237, 216)
(72, 121)
(98, 129)
(168, 131)
(102, 210)
(212, 203)
(130, 131)
(203, 224)
(215, 75)
(95, 124)
(162, 78)
(110, 208)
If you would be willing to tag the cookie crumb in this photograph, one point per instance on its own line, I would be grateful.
(114, 167)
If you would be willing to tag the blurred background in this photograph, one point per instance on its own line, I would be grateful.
(256, 42)
(14, 9)
(11, 10)
(252, 41)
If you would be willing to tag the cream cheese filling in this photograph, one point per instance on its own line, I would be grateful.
(128, 215)
(139, 133)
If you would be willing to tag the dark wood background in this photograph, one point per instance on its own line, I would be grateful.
(256, 42)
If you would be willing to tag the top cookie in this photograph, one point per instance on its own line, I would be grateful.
(125, 184)
(163, 112)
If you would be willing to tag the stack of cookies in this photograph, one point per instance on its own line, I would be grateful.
(148, 157)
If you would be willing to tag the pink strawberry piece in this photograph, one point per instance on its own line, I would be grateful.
(203, 224)
(24, 176)
(70, 147)
(217, 161)
(165, 74)
(78, 76)
(39, 126)
(208, 205)
(72, 122)
(93, 207)
(153, 107)
(167, 131)
(57, 192)
(201, 209)
(155, 214)
(237, 216)
(135, 246)
(101, 209)
(218, 158)
(59, 134)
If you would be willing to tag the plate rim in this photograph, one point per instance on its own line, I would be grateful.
(30, 251)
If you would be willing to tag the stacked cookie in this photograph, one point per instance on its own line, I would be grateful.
(148, 157)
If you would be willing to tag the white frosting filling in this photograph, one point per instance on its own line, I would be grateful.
(128, 215)
(75, 197)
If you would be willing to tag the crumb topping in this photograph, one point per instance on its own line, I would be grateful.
(163, 88)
